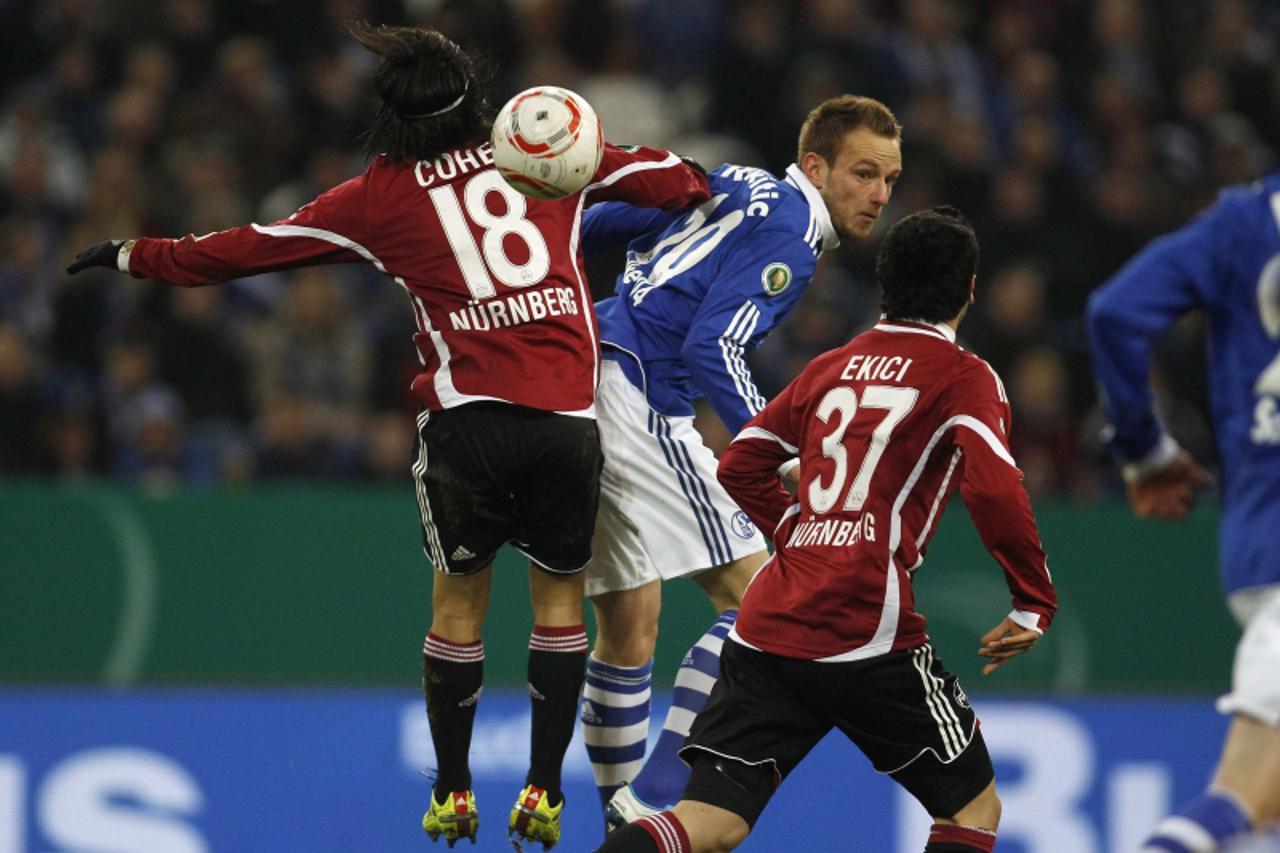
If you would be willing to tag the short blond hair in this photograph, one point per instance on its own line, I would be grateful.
(828, 123)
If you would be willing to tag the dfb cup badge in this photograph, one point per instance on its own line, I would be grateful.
(775, 278)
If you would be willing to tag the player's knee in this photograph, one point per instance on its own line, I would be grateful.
(725, 585)
(459, 608)
(710, 829)
(627, 643)
(728, 797)
(994, 808)
(627, 625)
(983, 811)
(456, 629)
(458, 619)
(725, 839)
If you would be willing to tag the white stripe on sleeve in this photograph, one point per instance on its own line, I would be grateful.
(631, 169)
(738, 333)
(758, 432)
(984, 432)
(1004, 398)
(319, 234)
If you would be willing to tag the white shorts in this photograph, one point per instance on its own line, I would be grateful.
(1255, 676)
(662, 513)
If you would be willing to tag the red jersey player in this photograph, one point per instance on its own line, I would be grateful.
(508, 449)
(884, 427)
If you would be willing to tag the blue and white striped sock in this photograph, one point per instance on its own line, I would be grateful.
(664, 776)
(1200, 826)
(615, 721)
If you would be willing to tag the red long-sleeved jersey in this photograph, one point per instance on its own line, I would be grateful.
(883, 427)
(502, 306)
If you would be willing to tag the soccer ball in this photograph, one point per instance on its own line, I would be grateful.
(547, 142)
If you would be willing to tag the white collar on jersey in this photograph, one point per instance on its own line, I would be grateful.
(921, 328)
(817, 207)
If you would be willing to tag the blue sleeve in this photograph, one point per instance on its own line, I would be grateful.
(737, 312)
(1171, 276)
(615, 223)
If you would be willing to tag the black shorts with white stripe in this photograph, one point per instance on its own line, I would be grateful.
(489, 473)
(905, 712)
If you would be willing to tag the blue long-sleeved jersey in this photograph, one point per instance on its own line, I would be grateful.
(1227, 263)
(703, 288)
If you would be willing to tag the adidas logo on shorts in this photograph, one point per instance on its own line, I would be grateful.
(461, 553)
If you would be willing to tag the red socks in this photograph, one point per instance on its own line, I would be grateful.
(662, 833)
(667, 832)
(949, 838)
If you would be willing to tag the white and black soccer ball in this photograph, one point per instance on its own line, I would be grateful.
(547, 142)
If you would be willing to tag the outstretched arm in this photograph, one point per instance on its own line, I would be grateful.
(647, 177)
(328, 230)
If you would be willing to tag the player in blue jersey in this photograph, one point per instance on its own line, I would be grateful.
(700, 290)
(1225, 263)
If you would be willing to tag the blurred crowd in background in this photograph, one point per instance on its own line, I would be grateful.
(1070, 132)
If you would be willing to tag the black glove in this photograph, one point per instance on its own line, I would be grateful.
(102, 254)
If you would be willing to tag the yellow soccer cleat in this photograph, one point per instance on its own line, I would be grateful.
(455, 818)
(534, 819)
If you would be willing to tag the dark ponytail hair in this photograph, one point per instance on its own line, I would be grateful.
(432, 95)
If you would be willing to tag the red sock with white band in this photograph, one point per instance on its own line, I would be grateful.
(667, 832)
(660, 833)
(949, 838)
(570, 639)
(557, 666)
(451, 680)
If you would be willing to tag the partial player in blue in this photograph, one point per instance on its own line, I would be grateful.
(1225, 263)
(700, 290)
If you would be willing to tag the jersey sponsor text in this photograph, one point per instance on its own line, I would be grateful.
(764, 187)
(833, 532)
(451, 164)
(876, 368)
(515, 309)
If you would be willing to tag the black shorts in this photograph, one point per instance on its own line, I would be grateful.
(905, 712)
(492, 473)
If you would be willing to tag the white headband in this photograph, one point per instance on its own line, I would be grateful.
(442, 110)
